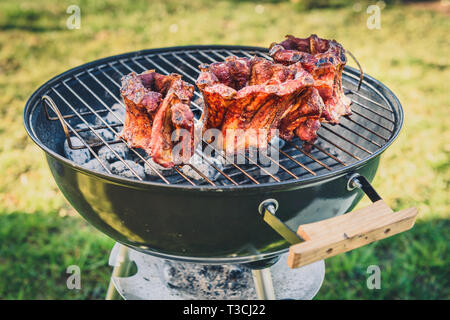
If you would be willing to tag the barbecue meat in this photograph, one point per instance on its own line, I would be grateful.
(324, 60)
(174, 124)
(246, 99)
(303, 118)
(141, 103)
(158, 118)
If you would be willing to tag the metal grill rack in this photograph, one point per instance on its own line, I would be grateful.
(88, 93)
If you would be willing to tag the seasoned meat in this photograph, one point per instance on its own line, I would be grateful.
(324, 60)
(246, 99)
(141, 103)
(158, 118)
(302, 119)
(172, 138)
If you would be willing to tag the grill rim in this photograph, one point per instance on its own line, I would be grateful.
(33, 102)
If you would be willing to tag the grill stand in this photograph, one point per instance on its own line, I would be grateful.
(122, 264)
(263, 284)
(275, 282)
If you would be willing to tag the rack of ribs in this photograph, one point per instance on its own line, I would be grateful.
(249, 99)
(324, 60)
(158, 118)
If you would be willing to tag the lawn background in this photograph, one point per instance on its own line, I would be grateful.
(40, 234)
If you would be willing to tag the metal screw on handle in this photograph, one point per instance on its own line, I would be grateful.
(270, 204)
(353, 182)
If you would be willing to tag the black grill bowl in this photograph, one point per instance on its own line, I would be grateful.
(204, 223)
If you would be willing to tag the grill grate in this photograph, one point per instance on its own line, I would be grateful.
(91, 92)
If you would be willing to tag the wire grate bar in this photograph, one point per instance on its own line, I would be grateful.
(359, 135)
(365, 128)
(370, 120)
(373, 111)
(368, 99)
(69, 116)
(299, 163)
(309, 155)
(328, 154)
(348, 140)
(339, 147)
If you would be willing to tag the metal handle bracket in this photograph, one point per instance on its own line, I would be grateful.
(267, 209)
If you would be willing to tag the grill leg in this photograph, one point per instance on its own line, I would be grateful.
(122, 264)
(263, 284)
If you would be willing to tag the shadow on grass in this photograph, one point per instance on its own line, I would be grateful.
(36, 249)
(30, 27)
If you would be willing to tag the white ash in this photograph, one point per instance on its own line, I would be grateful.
(333, 151)
(206, 281)
(95, 165)
(79, 156)
(115, 116)
(90, 137)
(137, 155)
(150, 281)
(203, 165)
(108, 155)
(151, 168)
(121, 169)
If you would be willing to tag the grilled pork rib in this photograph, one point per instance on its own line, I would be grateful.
(246, 99)
(303, 118)
(324, 60)
(158, 118)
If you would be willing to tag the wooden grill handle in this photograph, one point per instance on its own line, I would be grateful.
(327, 238)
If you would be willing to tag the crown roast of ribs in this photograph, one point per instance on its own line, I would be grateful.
(158, 116)
(248, 98)
(324, 60)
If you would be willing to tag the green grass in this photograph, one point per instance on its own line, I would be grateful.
(40, 235)
(36, 250)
